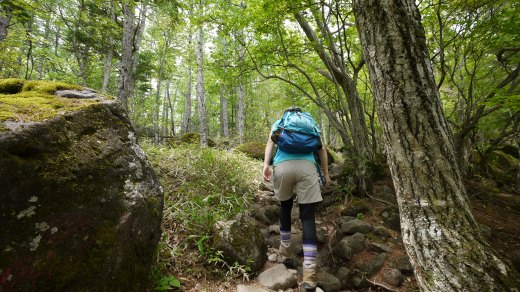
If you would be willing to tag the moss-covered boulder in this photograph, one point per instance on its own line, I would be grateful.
(503, 167)
(252, 149)
(240, 241)
(80, 205)
(194, 138)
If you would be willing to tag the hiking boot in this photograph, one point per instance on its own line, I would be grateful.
(285, 257)
(309, 277)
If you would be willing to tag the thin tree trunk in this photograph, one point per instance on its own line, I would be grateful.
(171, 106)
(29, 58)
(156, 124)
(224, 125)
(201, 98)
(108, 68)
(439, 232)
(241, 112)
(166, 112)
(186, 118)
(110, 53)
(4, 22)
(241, 101)
(132, 34)
(126, 79)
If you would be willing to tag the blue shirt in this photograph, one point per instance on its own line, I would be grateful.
(282, 156)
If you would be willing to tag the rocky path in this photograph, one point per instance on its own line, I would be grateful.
(359, 245)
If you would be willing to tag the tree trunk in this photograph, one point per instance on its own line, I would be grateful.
(439, 232)
(171, 106)
(186, 118)
(132, 34)
(241, 112)
(4, 22)
(156, 124)
(241, 102)
(203, 127)
(126, 77)
(108, 68)
(224, 124)
(165, 115)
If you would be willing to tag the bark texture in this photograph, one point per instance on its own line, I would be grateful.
(224, 128)
(201, 95)
(439, 232)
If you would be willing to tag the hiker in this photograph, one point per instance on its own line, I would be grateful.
(297, 174)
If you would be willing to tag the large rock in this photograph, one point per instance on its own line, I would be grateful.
(80, 207)
(391, 218)
(355, 226)
(350, 246)
(277, 277)
(328, 282)
(240, 241)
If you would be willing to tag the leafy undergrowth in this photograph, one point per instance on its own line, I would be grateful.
(201, 186)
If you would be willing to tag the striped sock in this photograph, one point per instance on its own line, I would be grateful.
(309, 254)
(285, 237)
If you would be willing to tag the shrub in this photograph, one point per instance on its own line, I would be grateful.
(194, 138)
(201, 186)
(11, 85)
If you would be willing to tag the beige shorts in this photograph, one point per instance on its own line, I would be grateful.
(297, 177)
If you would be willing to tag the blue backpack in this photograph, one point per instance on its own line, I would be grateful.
(297, 133)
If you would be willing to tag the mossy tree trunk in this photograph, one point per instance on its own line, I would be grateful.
(439, 232)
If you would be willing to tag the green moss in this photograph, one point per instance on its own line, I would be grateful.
(48, 87)
(35, 103)
(190, 138)
(11, 85)
(252, 149)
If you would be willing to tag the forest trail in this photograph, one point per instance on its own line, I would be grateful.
(494, 211)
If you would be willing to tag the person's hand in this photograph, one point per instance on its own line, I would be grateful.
(327, 181)
(267, 173)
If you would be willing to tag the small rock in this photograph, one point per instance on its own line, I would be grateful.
(356, 209)
(393, 277)
(328, 282)
(344, 219)
(267, 215)
(245, 288)
(360, 282)
(272, 257)
(277, 277)
(381, 231)
(275, 229)
(378, 247)
(356, 225)
(83, 94)
(402, 263)
(373, 266)
(385, 192)
(350, 246)
(344, 276)
(391, 218)
(267, 186)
